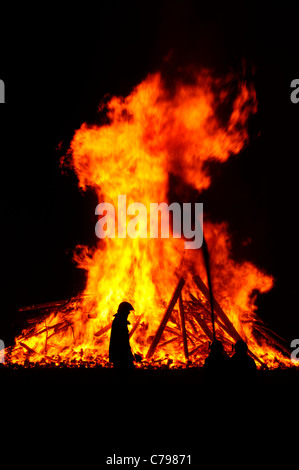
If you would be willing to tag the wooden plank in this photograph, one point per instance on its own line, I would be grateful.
(171, 340)
(103, 330)
(165, 318)
(230, 329)
(203, 326)
(191, 323)
(28, 349)
(135, 326)
(183, 326)
(173, 330)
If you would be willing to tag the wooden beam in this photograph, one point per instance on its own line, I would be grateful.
(28, 349)
(165, 318)
(191, 323)
(229, 327)
(134, 327)
(103, 330)
(194, 350)
(203, 325)
(173, 330)
(183, 326)
(222, 316)
(176, 338)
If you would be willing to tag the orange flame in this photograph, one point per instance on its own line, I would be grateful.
(152, 133)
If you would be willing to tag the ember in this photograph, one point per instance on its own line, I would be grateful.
(151, 134)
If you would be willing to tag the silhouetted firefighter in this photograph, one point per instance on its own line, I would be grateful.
(242, 365)
(120, 353)
(216, 363)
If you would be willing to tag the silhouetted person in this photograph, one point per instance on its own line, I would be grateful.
(242, 365)
(216, 362)
(120, 353)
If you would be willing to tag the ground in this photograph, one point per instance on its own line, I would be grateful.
(81, 416)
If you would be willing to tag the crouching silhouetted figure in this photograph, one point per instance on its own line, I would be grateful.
(242, 366)
(215, 365)
(120, 353)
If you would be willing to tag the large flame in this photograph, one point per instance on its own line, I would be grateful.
(149, 135)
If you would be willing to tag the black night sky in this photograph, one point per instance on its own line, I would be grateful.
(58, 65)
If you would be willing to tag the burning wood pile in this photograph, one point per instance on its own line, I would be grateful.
(156, 132)
(187, 324)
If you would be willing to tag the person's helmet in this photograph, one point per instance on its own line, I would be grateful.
(216, 347)
(241, 347)
(125, 308)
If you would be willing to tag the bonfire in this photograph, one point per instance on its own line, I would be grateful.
(147, 140)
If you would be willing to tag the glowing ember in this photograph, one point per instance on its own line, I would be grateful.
(151, 134)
